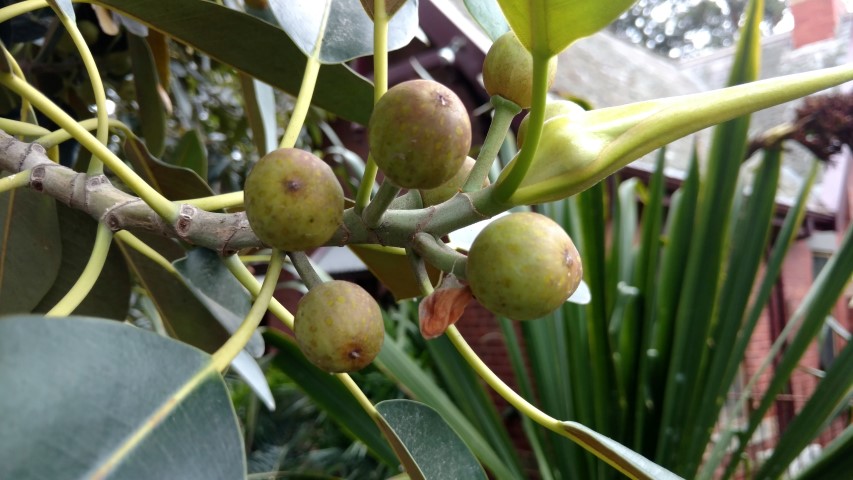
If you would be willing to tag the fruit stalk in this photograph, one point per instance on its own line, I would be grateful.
(306, 271)
(505, 111)
(377, 207)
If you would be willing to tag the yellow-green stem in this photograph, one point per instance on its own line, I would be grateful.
(16, 127)
(27, 113)
(516, 400)
(135, 243)
(166, 209)
(380, 86)
(217, 202)
(303, 102)
(51, 139)
(228, 351)
(15, 180)
(96, 167)
(90, 275)
(16, 9)
(510, 183)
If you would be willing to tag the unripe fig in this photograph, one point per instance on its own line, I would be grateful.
(443, 192)
(552, 109)
(293, 200)
(339, 327)
(523, 266)
(508, 70)
(419, 134)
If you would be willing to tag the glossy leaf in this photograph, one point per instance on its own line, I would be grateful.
(349, 28)
(429, 441)
(109, 400)
(30, 249)
(184, 316)
(215, 287)
(547, 27)
(245, 42)
(110, 296)
(175, 183)
(488, 14)
(392, 268)
(159, 46)
(330, 394)
(423, 387)
(152, 114)
(190, 153)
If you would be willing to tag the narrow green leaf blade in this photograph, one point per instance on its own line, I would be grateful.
(175, 183)
(433, 445)
(190, 153)
(835, 462)
(75, 386)
(259, 101)
(152, 112)
(245, 43)
(832, 392)
(30, 249)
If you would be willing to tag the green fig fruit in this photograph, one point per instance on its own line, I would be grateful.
(523, 266)
(508, 70)
(419, 134)
(293, 200)
(339, 327)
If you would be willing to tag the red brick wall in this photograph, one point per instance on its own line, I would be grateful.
(815, 20)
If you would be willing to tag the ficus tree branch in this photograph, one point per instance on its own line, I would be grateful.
(225, 233)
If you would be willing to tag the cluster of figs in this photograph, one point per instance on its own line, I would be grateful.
(521, 266)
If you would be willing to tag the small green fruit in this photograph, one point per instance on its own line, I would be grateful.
(446, 190)
(508, 70)
(419, 134)
(293, 200)
(523, 266)
(339, 327)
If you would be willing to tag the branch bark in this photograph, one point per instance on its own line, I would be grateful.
(226, 233)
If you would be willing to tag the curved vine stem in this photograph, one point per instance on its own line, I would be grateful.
(135, 243)
(380, 86)
(505, 111)
(510, 183)
(160, 204)
(303, 103)
(519, 402)
(87, 279)
(229, 350)
(438, 254)
(16, 127)
(96, 166)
